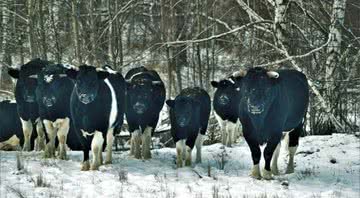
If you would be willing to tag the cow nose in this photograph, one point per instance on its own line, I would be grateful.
(49, 101)
(139, 107)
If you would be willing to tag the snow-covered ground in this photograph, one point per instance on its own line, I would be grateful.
(326, 166)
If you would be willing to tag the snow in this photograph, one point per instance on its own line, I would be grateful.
(315, 175)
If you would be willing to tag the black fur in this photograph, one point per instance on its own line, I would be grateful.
(269, 106)
(144, 99)
(91, 100)
(189, 114)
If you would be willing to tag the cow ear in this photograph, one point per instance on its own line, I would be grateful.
(72, 73)
(170, 103)
(214, 84)
(102, 75)
(15, 73)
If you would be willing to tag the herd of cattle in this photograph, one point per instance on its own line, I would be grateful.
(81, 108)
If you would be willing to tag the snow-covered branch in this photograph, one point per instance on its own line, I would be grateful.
(218, 35)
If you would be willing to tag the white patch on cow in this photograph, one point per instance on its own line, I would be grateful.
(40, 140)
(68, 66)
(136, 138)
(180, 151)
(51, 134)
(290, 166)
(274, 161)
(237, 89)
(136, 74)
(109, 145)
(188, 156)
(96, 148)
(199, 143)
(111, 71)
(146, 142)
(62, 126)
(12, 143)
(12, 101)
(85, 133)
(114, 109)
(232, 81)
(48, 78)
(27, 128)
(222, 124)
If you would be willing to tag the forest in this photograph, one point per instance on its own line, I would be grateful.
(194, 42)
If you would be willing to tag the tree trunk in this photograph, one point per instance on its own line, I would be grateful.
(42, 30)
(75, 21)
(31, 27)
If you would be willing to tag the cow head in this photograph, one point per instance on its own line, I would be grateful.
(256, 89)
(184, 109)
(141, 92)
(87, 80)
(27, 80)
(226, 91)
(50, 84)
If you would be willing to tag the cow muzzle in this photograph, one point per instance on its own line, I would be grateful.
(224, 100)
(86, 99)
(139, 108)
(49, 101)
(255, 109)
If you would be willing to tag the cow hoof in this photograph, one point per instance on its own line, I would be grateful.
(198, 161)
(187, 163)
(85, 166)
(94, 167)
(137, 156)
(289, 170)
(255, 172)
(267, 175)
(147, 156)
(26, 147)
(275, 171)
(108, 162)
(62, 156)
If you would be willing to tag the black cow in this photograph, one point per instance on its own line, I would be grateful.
(53, 96)
(225, 105)
(26, 101)
(271, 103)
(97, 108)
(189, 116)
(144, 101)
(10, 125)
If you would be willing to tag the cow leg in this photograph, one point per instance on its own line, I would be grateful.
(132, 145)
(146, 142)
(292, 147)
(50, 146)
(96, 148)
(188, 156)
(40, 140)
(198, 143)
(63, 126)
(180, 147)
(137, 142)
(223, 128)
(268, 153)
(85, 166)
(274, 161)
(27, 130)
(109, 145)
(256, 155)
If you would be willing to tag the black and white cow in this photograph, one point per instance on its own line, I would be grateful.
(97, 107)
(26, 101)
(189, 116)
(53, 96)
(10, 126)
(225, 104)
(271, 103)
(144, 100)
